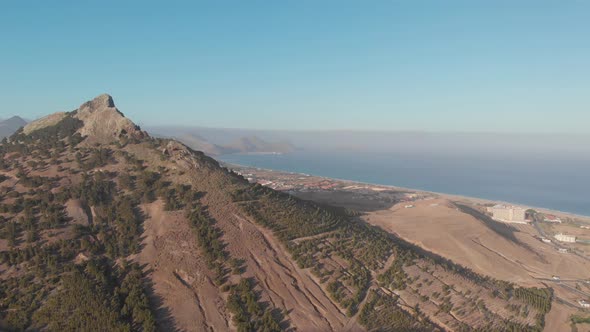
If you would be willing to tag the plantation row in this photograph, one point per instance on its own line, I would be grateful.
(316, 237)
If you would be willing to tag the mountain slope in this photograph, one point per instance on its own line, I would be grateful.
(198, 143)
(158, 236)
(10, 125)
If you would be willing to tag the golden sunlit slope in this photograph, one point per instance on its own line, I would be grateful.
(106, 225)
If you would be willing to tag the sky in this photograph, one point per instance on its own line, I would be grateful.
(436, 66)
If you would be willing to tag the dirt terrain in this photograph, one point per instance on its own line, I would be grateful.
(189, 301)
(184, 285)
(439, 226)
(177, 242)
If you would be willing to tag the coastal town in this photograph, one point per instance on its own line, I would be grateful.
(331, 191)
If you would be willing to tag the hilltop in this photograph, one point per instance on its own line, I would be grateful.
(10, 125)
(103, 224)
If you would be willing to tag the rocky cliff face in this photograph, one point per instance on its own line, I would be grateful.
(102, 121)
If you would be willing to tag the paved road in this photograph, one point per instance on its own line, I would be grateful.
(558, 280)
(543, 234)
(569, 288)
(554, 243)
(567, 303)
(574, 289)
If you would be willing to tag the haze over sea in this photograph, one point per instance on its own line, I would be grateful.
(558, 183)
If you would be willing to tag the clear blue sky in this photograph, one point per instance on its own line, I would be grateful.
(370, 65)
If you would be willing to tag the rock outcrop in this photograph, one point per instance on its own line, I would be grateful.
(104, 123)
(46, 121)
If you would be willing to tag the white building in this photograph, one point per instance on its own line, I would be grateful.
(508, 213)
(584, 304)
(565, 238)
(552, 218)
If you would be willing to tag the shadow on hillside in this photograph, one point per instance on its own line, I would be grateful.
(276, 313)
(348, 200)
(164, 319)
(504, 230)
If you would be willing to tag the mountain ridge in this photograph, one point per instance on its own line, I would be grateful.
(102, 121)
(171, 240)
(248, 144)
(10, 125)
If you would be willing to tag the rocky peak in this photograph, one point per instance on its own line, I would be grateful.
(102, 101)
(104, 123)
(14, 121)
(10, 125)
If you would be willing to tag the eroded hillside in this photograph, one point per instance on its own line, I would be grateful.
(101, 223)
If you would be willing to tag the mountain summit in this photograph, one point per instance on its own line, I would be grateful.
(10, 125)
(15, 121)
(101, 121)
(104, 122)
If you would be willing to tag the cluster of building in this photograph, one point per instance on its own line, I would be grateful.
(508, 213)
(584, 303)
(565, 238)
(552, 218)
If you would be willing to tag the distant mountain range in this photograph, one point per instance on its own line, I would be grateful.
(10, 125)
(248, 144)
(251, 144)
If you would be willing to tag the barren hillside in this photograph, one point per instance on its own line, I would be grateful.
(507, 252)
(102, 224)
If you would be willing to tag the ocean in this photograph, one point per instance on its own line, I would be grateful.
(561, 183)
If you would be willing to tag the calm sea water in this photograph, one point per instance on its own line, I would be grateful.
(553, 183)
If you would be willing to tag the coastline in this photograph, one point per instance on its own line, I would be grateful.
(479, 200)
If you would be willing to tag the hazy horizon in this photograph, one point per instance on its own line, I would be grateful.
(412, 66)
(543, 145)
(333, 165)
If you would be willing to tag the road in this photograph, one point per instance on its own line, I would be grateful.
(555, 244)
(573, 289)
(560, 282)
(569, 288)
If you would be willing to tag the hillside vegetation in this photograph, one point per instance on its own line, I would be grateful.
(104, 226)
